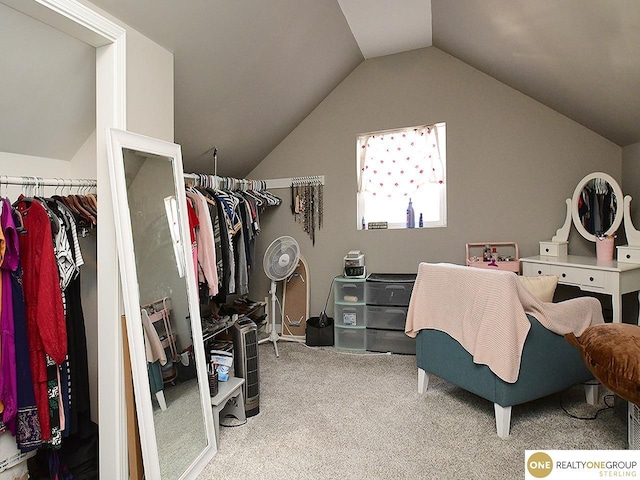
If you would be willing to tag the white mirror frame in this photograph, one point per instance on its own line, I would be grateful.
(117, 140)
(574, 205)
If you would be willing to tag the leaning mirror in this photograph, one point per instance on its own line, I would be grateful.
(160, 301)
(597, 206)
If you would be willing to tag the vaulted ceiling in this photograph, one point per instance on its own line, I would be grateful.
(248, 72)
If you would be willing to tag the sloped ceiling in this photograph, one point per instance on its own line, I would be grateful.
(580, 58)
(246, 72)
(47, 88)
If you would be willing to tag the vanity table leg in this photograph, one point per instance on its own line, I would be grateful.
(616, 306)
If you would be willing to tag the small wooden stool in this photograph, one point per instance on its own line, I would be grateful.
(228, 401)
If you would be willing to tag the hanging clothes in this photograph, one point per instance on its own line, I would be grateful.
(8, 264)
(44, 381)
(233, 207)
(206, 247)
(46, 327)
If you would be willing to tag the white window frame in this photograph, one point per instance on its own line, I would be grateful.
(361, 196)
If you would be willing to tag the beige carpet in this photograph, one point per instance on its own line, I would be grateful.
(330, 415)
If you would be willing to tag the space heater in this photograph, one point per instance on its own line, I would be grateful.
(245, 355)
(634, 426)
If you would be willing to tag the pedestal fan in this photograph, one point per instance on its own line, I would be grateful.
(279, 262)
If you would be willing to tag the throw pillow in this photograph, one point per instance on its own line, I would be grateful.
(611, 351)
(543, 286)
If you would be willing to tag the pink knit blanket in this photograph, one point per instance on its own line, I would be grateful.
(485, 311)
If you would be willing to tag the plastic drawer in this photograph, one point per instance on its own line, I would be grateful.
(350, 338)
(391, 318)
(348, 291)
(349, 315)
(388, 293)
(390, 341)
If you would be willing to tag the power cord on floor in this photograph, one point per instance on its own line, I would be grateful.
(604, 399)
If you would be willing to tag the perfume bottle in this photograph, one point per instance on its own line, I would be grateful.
(411, 216)
(420, 223)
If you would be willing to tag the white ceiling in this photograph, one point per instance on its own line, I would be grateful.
(247, 73)
(382, 28)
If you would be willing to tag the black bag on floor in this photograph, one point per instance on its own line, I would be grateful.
(319, 331)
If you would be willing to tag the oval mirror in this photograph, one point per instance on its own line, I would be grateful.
(596, 206)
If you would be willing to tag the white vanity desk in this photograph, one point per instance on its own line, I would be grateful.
(597, 206)
(611, 277)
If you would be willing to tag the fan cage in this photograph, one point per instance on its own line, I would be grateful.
(275, 254)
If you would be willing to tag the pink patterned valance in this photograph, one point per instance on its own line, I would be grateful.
(399, 162)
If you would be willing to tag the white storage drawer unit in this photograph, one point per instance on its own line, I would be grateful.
(349, 291)
(349, 338)
(352, 315)
(388, 296)
(349, 310)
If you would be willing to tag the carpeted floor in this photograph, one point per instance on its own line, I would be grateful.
(179, 446)
(331, 415)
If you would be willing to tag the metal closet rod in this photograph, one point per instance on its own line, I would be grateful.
(273, 182)
(47, 182)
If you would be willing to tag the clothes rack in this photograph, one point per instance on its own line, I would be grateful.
(245, 184)
(36, 182)
(224, 183)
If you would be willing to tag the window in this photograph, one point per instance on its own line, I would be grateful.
(398, 169)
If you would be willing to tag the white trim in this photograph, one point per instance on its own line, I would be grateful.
(118, 141)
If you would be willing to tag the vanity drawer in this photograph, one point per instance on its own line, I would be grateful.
(579, 276)
(535, 269)
(553, 249)
(628, 254)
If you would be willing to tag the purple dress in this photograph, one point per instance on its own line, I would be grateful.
(28, 432)
(8, 390)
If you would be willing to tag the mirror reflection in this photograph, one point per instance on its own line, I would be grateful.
(177, 408)
(597, 206)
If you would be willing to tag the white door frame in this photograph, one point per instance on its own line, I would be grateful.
(109, 39)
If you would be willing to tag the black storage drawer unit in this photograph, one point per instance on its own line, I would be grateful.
(387, 297)
(394, 341)
(389, 289)
(388, 317)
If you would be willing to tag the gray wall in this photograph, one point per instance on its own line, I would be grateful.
(151, 181)
(631, 179)
(511, 163)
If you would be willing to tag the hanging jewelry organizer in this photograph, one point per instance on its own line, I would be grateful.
(307, 204)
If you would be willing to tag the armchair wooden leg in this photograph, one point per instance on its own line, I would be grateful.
(503, 420)
(591, 392)
(423, 380)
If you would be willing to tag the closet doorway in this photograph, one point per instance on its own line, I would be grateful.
(108, 40)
